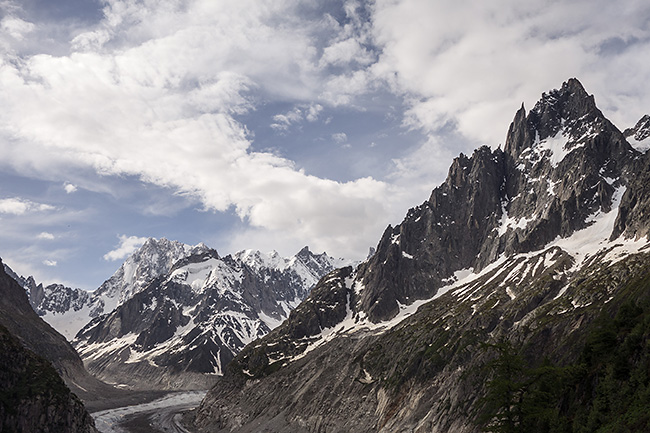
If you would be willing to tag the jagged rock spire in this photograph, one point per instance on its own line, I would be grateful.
(570, 110)
(562, 162)
(641, 130)
(519, 134)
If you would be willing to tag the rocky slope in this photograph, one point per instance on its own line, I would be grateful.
(524, 246)
(33, 396)
(182, 328)
(33, 358)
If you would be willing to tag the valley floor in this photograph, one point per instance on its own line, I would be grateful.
(161, 414)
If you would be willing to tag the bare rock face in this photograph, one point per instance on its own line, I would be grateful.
(640, 131)
(634, 210)
(436, 238)
(561, 163)
(519, 244)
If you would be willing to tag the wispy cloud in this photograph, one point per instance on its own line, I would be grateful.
(296, 116)
(282, 122)
(126, 247)
(15, 27)
(20, 206)
(340, 137)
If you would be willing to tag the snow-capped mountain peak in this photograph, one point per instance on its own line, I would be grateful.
(154, 258)
(535, 246)
(70, 309)
(199, 315)
(258, 260)
(639, 135)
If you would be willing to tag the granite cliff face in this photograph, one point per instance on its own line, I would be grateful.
(561, 163)
(518, 245)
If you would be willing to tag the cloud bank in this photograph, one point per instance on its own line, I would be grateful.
(472, 65)
(156, 89)
(153, 92)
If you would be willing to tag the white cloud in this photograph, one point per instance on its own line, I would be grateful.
(324, 209)
(340, 137)
(13, 206)
(310, 113)
(282, 122)
(345, 52)
(127, 245)
(19, 206)
(472, 66)
(15, 27)
(313, 111)
(51, 263)
(69, 188)
(45, 236)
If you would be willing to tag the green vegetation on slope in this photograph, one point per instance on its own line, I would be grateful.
(606, 390)
(33, 397)
(25, 375)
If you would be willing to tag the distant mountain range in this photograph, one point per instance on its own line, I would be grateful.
(70, 309)
(173, 315)
(516, 298)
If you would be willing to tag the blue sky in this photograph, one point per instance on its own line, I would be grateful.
(270, 125)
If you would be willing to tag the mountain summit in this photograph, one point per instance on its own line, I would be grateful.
(173, 315)
(519, 244)
(562, 163)
(179, 328)
(70, 309)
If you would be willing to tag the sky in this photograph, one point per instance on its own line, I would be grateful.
(274, 124)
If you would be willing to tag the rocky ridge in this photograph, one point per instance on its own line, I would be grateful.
(536, 239)
(70, 309)
(181, 329)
